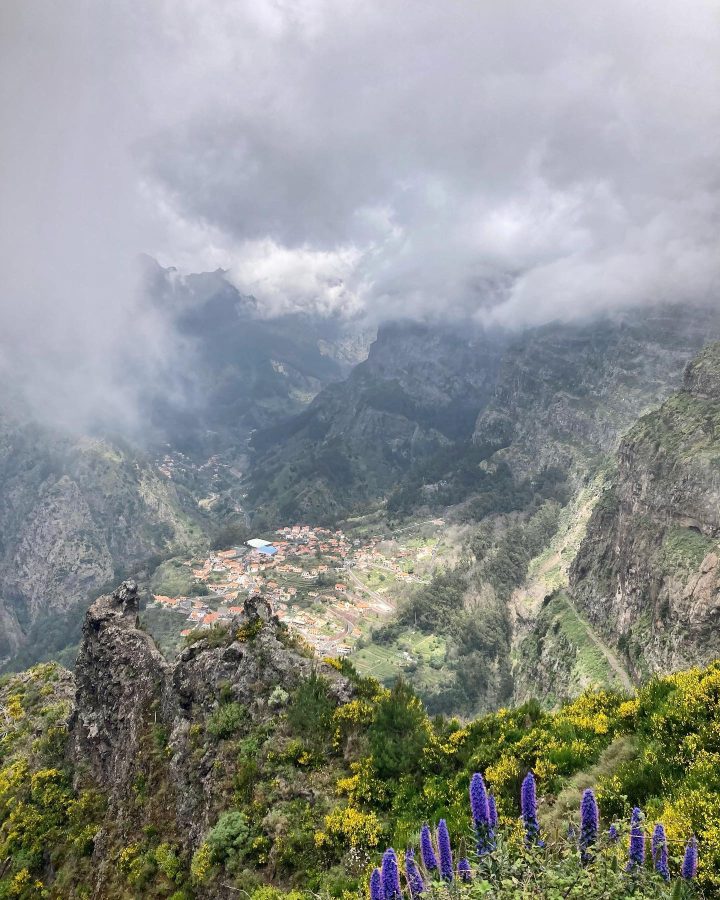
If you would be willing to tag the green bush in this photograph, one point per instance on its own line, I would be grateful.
(226, 720)
(228, 840)
(311, 710)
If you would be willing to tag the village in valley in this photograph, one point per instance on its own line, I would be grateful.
(330, 586)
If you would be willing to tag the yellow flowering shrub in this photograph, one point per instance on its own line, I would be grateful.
(503, 774)
(14, 708)
(355, 714)
(362, 785)
(127, 856)
(201, 863)
(349, 827)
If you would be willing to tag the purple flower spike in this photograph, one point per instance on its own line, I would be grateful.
(414, 878)
(613, 834)
(589, 825)
(479, 805)
(464, 872)
(376, 886)
(427, 853)
(482, 820)
(390, 876)
(636, 857)
(445, 851)
(492, 810)
(528, 807)
(690, 861)
(660, 852)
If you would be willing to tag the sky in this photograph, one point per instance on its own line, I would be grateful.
(508, 161)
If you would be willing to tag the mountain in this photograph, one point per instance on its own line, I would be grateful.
(647, 574)
(417, 394)
(243, 368)
(433, 412)
(524, 478)
(75, 512)
(567, 392)
(243, 766)
(79, 510)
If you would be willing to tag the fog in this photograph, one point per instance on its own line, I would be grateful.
(512, 162)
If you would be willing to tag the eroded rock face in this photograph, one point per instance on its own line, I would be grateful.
(120, 676)
(138, 717)
(647, 574)
(566, 393)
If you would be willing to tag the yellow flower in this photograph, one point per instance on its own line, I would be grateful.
(201, 863)
(349, 826)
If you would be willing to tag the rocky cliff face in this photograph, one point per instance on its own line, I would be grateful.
(648, 574)
(141, 724)
(73, 513)
(566, 393)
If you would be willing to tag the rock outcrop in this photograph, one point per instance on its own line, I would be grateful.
(140, 722)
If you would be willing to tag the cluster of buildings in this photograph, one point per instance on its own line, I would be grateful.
(305, 574)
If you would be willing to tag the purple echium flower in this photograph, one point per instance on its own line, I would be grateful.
(414, 878)
(660, 852)
(480, 810)
(528, 808)
(613, 833)
(589, 825)
(492, 810)
(376, 886)
(390, 876)
(464, 872)
(690, 860)
(479, 805)
(636, 857)
(427, 853)
(445, 851)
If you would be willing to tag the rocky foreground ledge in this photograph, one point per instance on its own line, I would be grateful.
(138, 721)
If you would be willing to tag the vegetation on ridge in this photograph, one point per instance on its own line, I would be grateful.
(314, 795)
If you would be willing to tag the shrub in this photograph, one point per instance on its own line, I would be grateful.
(228, 841)
(226, 720)
(310, 713)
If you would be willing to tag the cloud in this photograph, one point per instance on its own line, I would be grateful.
(513, 162)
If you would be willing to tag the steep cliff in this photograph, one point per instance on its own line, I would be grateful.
(648, 573)
(566, 392)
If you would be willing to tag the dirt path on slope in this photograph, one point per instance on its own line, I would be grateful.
(612, 659)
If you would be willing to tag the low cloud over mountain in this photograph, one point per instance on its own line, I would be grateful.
(514, 162)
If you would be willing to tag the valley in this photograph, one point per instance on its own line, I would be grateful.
(330, 586)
